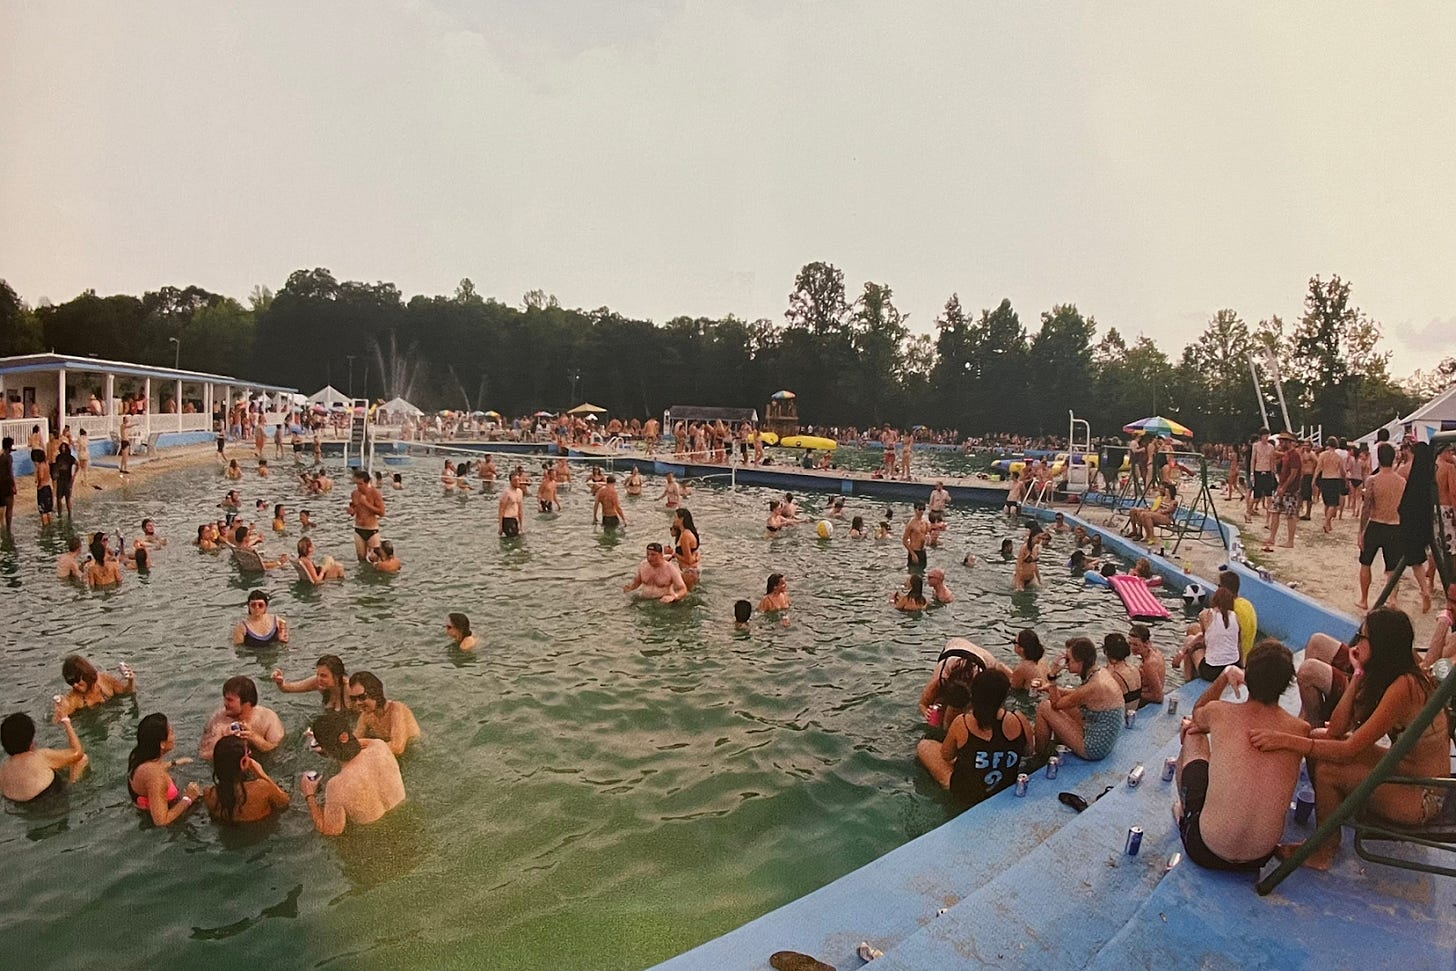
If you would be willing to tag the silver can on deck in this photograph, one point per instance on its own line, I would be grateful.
(1134, 840)
(1021, 782)
(1170, 768)
(1173, 705)
(1054, 765)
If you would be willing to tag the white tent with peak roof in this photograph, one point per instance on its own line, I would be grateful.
(330, 397)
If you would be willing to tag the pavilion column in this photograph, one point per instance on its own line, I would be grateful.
(177, 403)
(60, 400)
(110, 391)
(147, 411)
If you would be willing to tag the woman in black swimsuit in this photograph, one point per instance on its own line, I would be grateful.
(1128, 678)
(260, 629)
(984, 747)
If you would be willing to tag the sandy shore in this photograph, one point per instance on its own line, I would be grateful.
(1321, 565)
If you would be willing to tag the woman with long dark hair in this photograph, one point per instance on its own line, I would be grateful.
(234, 799)
(328, 680)
(1417, 519)
(984, 746)
(1386, 693)
(148, 773)
(687, 548)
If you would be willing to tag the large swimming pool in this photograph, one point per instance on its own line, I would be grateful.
(603, 785)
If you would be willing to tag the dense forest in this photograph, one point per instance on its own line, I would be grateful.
(850, 357)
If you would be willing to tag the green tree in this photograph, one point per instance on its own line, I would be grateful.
(20, 332)
(1061, 362)
(878, 334)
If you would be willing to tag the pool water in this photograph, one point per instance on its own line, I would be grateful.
(603, 784)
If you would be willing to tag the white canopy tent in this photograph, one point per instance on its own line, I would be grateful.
(398, 406)
(1438, 414)
(330, 397)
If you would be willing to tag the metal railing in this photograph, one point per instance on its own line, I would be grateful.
(1386, 770)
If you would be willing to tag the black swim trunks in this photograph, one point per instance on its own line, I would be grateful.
(546, 505)
(1195, 793)
(1264, 484)
(45, 499)
(1382, 538)
(917, 559)
(610, 522)
(365, 534)
(510, 526)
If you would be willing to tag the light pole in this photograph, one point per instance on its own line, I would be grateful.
(177, 357)
(575, 376)
(351, 374)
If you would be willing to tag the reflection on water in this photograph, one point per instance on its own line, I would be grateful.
(601, 784)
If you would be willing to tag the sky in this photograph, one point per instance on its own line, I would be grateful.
(1150, 163)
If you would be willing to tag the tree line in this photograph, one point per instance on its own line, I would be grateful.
(851, 358)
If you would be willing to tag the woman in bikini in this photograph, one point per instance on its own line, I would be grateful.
(912, 598)
(148, 773)
(687, 549)
(234, 799)
(1386, 693)
(1028, 567)
(672, 492)
(1117, 651)
(90, 687)
(776, 596)
(104, 569)
(260, 629)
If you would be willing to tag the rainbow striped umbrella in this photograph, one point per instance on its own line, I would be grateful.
(1159, 425)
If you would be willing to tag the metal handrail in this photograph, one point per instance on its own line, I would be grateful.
(1384, 770)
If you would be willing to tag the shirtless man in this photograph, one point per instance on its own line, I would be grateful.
(1308, 462)
(546, 495)
(1380, 520)
(1234, 798)
(1446, 493)
(45, 492)
(913, 539)
(1285, 501)
(68, 566)
(509, 512)
(658, 577)
(261, 727)
(935, 580)
(1329, 475)
(7, 481)
(1154, 669)
(939, 500)
(1261, 469)
(608, 505)
(366, 505)
(368, 783)
(29, 773)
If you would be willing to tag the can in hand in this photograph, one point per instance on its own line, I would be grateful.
(1054, 765)
(1170, 768)
(1021, 782)
(55, 699)
(1135, 778)
(125, 670)
(934, 714)
(236, 728)
(1134, 840)
(312, 776)
(1173, 704)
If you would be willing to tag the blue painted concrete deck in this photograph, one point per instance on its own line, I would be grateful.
(1028, 883)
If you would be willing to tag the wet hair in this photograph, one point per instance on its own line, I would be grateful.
(258, 595)
(17, 732)
(98, 547)
(240, 534)
(76, 668)
(686, 518)
(336, 668)
(387, 548)
(227, 772)
(773, 581)
(1116, 648)
(303, 544)
(1141, 632)
(742, 611)
(1084, 652)
(373, 687)
(73, 545)
(1392, 656)
(151, 732)
(1006, 545)
(917, 588)
(1078, 562)
(278, 511)
(1268, 671)
(326, 730)
(1031, 645)
(1109, 569)
(1223, 602)
(200, 530)
(143, 559)
(1142, 568)
(460, 622)
(857, 523)
(988, 693)
(242, 687)
(398, 477)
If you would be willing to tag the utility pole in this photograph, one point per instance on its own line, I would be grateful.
(351, 374)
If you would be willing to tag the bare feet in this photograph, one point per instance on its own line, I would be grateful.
(1287, 546)
(1319, 861)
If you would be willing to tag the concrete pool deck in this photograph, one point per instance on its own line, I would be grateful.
(1028, 883)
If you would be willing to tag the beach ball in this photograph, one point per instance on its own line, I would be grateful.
(1195, 594)
(824, 528)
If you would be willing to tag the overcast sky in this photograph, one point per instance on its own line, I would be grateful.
(1150, 163)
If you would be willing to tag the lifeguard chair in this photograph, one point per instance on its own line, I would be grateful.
(782, 414)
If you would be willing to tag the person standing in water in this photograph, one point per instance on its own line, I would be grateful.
(609, 505)
(508, 514)
(366, 505)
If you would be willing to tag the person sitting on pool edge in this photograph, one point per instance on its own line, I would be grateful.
(29, 773)
(1233, 798)
(368, 783)
(1088, 718)
(984, 745)
(389, 721)
(457, 625)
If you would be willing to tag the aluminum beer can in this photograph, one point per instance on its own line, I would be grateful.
(312, 776)
(1135, 778)
(1021, 781)
(1170, 768)
(1134, 840)
(1173, 705)
(1129, 717)
(55, 699)
(125, 670)
(934, 714)
(235, 727)
(1054, 765)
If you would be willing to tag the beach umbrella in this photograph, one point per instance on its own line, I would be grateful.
(490, 414)
(1158, 425)
(783, 395)
(587, 408)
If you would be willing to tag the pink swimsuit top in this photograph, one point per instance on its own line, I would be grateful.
(145, 804)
